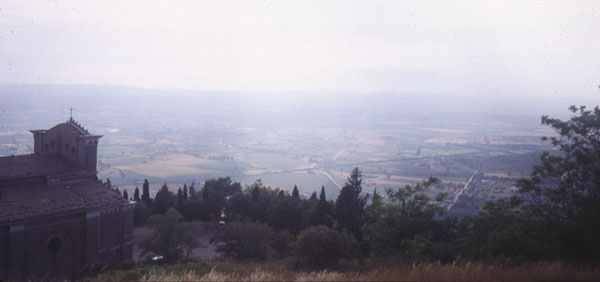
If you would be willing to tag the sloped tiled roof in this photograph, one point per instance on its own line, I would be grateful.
(22, 202)
(77, 126)
(34, 165)
(80, 129)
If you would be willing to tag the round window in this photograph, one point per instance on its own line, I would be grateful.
(54, 245)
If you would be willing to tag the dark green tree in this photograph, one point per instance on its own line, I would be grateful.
(313, 196)
(256, 191)
(268, 205)
(323, 214)
(216, 192)
(243, 240)
(192, 191)
(282, 211)
(163, 201)
(185, 191)
(407, 224)
(146, 193)
(555, 215)
(141, 212)
(239, 204)
(349, 207)
(295, 192)
(565, 187)
(282, 243)
(179, 199)
(125, 195)
(136, 194)
(322, 195)
(187, 237)
(322, 247)
(374, 211)
(505, 229)
(195, 209)
(171, 239)
(261, 202)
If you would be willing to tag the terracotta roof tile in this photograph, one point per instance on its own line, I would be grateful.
(22, 202)
(33, 165)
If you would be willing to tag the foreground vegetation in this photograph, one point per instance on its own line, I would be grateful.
(368, 271)
(554, 218)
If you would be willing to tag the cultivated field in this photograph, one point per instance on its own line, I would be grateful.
(178, 141)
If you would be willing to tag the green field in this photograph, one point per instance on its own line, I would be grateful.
(225, 166)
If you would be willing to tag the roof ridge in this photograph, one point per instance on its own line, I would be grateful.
(77, 126)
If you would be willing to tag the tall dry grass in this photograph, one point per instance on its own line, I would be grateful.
(546, 271)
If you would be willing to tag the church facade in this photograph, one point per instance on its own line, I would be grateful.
(55, 216)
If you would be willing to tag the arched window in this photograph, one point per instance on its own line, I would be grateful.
(54, 245)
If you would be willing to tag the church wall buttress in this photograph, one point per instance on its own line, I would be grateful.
(91, 152)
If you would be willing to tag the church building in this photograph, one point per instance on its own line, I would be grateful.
(55, 216)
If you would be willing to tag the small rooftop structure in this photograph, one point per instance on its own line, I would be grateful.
(69, 140)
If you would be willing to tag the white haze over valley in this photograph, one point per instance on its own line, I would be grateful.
(301, 92)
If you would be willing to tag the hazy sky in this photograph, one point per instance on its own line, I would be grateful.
(538, 48)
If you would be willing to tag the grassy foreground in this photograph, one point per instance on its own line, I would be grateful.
(545, 271)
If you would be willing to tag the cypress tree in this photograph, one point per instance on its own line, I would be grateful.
(322, 196)
(355, 180)
(313, 197)
(377, 199)
(146, 192)
(136, 194)
(323, 210)
(164, 200)
(185, 192)
(349, 207)
(179, 198)
(255, 192)
(295, 192)
(192, 192)
(125, 195)
(374, 211)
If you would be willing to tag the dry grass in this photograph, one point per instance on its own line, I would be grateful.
(548, 271)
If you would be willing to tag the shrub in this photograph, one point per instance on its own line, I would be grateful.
(244, 240)
(322, 247)
(141, 213)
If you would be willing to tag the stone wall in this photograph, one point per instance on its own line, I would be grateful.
(104, 236)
